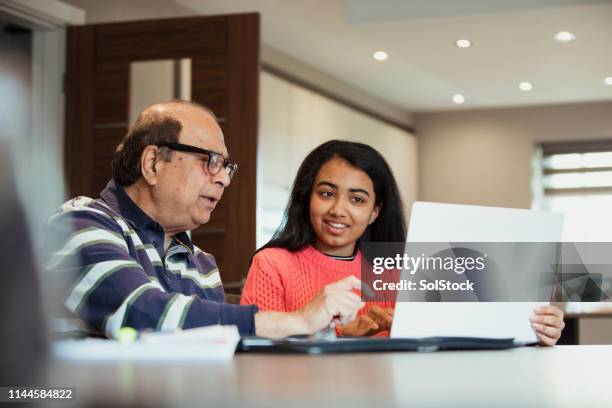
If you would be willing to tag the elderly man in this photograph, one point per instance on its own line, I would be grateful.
(131, 259)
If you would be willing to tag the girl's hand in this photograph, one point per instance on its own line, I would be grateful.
(377, 320)
(547, 321)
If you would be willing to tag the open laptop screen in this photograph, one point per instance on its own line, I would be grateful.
(436, 222)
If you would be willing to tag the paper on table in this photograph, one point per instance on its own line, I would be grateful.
(203, 343)
(465, 319)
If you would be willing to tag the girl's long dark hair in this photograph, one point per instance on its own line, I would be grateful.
(390, 226)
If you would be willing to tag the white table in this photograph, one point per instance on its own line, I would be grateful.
(569, 376)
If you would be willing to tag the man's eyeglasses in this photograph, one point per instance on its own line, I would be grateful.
(216, 161)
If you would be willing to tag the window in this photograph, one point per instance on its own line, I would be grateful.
(576, 180)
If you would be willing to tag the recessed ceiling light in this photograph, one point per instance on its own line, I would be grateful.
(564, 36)
(380, 55)
(463, 43)
(458, 99)
(525, 86)
(608, 81)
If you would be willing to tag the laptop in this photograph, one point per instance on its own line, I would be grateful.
(420, 326)
(437, 222)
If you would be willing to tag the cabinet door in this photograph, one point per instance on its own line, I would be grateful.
(224, 54)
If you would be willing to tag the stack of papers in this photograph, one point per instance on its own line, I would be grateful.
(204, 343)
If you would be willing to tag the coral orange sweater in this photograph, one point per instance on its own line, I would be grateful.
(284, 281)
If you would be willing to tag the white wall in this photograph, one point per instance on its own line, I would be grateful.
(293, 121)
(484, 157)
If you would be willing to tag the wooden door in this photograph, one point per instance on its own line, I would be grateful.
(224, 53)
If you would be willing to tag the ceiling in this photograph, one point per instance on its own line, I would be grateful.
(512, 42)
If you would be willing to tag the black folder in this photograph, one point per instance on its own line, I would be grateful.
(307, 345)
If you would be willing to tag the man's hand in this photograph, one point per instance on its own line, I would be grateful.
(377, 320)
(547, 321)
(336, 301)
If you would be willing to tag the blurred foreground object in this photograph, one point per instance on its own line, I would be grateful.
(23, 341)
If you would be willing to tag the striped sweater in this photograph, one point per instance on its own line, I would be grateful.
(112, 252)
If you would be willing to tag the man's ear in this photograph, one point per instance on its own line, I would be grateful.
(375, 213)
(149, 162)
